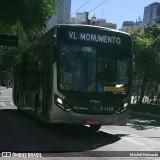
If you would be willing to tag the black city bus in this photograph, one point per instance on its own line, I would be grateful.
(76, 74)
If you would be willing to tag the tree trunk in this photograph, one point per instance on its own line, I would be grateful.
(143, 85)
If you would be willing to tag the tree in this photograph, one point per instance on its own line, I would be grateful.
(26, 19)
(31, 14)
(146, 56)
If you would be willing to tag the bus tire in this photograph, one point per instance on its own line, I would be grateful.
(95, 128)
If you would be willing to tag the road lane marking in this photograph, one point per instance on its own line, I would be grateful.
(2, 104)
(131, 138)
(133, 141)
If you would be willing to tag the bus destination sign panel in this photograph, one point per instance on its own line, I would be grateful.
(92, 37)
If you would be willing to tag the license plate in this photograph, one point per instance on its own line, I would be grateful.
(92, 122)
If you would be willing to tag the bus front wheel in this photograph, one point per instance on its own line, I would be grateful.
(95, 127)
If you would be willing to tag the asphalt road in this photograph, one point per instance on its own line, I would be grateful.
(20, 133)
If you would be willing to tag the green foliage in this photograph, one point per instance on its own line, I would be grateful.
(146, 58)
(31, 14)
(146, 49)
(25, 19)
(153, 109)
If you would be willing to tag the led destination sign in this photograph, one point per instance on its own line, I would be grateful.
(92, 37)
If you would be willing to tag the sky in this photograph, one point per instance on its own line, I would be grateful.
(114, 11)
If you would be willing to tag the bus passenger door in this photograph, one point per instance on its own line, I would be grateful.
(47, 83)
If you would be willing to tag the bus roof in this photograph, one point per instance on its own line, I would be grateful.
(72, 25)
(90, 26)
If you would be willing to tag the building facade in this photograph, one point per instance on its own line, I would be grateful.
(63, 14)
(131, 25)
(128, 25)
(103, 23)
(83, 18)
(151, 13)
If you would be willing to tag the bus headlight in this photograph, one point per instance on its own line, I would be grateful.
(59, 100)
(122, 107)
(61, 103)
(125, 105)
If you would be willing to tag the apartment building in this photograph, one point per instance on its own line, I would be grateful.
(63, 13)
(151, 13)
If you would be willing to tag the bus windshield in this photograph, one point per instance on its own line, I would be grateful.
(93, 69)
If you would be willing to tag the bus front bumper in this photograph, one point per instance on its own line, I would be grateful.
(114, 119)
(61, 116)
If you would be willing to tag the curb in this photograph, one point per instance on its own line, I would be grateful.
(146, 114)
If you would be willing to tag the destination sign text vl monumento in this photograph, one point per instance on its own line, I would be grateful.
(92, 37)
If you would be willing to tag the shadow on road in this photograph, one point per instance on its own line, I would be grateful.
(19, 132)
(142, 122)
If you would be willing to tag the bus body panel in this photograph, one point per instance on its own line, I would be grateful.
(45, 92)
(60, 116)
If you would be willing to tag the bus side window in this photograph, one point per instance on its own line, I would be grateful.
(52, 51)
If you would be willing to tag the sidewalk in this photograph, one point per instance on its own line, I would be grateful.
(7, 105)
(6, 101)
(2, 88)
(5, 94)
